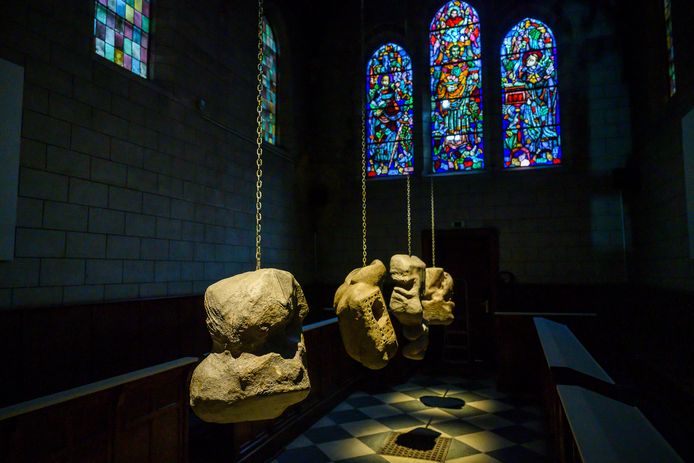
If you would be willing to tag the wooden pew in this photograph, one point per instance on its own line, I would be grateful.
(141, 416)
(598, 429)
(588, 422)
(566, 356)
(519, 358)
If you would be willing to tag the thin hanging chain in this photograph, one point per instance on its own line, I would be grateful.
(363, 143)
(409, 220)
(433, 229)
(259, 140)
(363, 188)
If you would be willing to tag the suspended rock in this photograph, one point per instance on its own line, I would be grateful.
(408, 274)
(416, 349)
(257, 367)
(436, 302)
(365, 326)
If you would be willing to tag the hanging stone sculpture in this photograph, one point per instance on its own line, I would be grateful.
(409, 275)
(365, 326)
(257, 367)
(436, 303)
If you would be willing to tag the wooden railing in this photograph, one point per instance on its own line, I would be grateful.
(588, 417)
(141, 416)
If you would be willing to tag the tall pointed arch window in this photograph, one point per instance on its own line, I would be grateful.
(672, 77)
(270, 55)
(121, 33)
(389, 112)
(529, 95)
(456, 89)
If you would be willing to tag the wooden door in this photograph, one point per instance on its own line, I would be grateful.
(471, 256)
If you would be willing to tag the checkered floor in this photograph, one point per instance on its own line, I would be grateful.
(491, 427)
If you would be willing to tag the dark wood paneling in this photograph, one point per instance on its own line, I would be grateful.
(46, 350)
(141, 420)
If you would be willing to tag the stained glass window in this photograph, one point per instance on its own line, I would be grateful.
(456, 89)
(121, 33)
(670, 48)
(270, 54)
(530, 103)
(389, 113)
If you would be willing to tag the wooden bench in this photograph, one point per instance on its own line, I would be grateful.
(141, 416)
(519, 358)
(566, 357)
(588, 423)
(598, 429)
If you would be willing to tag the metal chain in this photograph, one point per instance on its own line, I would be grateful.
(409, 220)
(363, 188)
(363, 143)
(259, 140)
(433, 229)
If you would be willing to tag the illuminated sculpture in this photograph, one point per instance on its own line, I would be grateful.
(365, 326)
(409, 275)
(257, 366)
(436, 302)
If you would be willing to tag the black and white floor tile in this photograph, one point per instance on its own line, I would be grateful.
(491, 427)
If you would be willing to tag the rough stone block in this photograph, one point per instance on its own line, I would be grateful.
(257, 367)
(408, 274)
(365, 326)
(436, 302)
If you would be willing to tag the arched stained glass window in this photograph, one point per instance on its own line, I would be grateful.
(529, 95)
(389, 113)
(270, 54)
(670, 47)
(121, 33)
(456, 89)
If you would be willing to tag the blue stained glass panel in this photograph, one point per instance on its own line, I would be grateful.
(269, 87)
(529, 95)
(672, 76)
(455, 50)
(389, 116)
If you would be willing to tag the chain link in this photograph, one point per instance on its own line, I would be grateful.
(433, 228)
(363, 188)
(259, 140)
(409, 219)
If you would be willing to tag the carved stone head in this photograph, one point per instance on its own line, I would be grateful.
(437, 304)
(408, 274)
(257, 366)
(365, 326)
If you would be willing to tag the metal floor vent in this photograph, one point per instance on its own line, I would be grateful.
(420, 444)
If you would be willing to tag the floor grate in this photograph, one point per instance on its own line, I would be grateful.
(420, 446)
